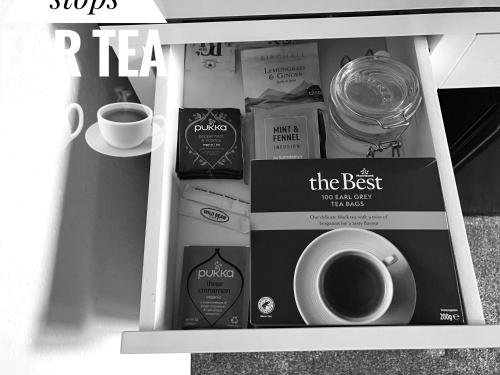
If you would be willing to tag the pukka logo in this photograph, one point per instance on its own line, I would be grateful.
(347, 181)
(217, 271)
(211, 126)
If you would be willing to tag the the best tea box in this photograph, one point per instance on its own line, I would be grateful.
(295, 201)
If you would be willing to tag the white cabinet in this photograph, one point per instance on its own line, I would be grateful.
(471, 60)
(196, 9)
(167, 233)
(360, 20)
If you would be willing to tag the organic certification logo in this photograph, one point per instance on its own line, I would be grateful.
(266, 305)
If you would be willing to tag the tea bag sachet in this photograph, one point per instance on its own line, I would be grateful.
(214, 215)
(219, 200)
(287, 132)
(206, 58)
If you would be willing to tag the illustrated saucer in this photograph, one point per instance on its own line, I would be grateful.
(96, 142)
(306, 290)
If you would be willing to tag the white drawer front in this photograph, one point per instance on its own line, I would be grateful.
(312, 339)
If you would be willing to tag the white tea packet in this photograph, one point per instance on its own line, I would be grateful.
(210, 57)
(214, 215)
(218, 200)
(288, 132)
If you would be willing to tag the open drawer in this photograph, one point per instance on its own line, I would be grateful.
(167, 233)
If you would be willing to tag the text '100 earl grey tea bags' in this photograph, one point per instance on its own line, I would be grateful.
(214, 287)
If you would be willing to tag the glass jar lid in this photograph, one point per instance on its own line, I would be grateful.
(372, 96)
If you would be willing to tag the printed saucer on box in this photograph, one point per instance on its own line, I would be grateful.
(323, 247)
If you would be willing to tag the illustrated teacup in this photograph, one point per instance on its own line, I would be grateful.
(355, 286)
(125, 125)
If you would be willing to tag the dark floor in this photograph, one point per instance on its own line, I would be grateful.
(484, 238)
(478, 182)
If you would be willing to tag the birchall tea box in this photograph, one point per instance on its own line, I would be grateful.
(351, 242)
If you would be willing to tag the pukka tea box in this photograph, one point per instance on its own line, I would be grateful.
(214, 287)
(351, 242)
(209, 143)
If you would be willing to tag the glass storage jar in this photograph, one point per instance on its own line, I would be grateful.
(373, 100)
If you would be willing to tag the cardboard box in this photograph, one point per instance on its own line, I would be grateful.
(296, 201)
